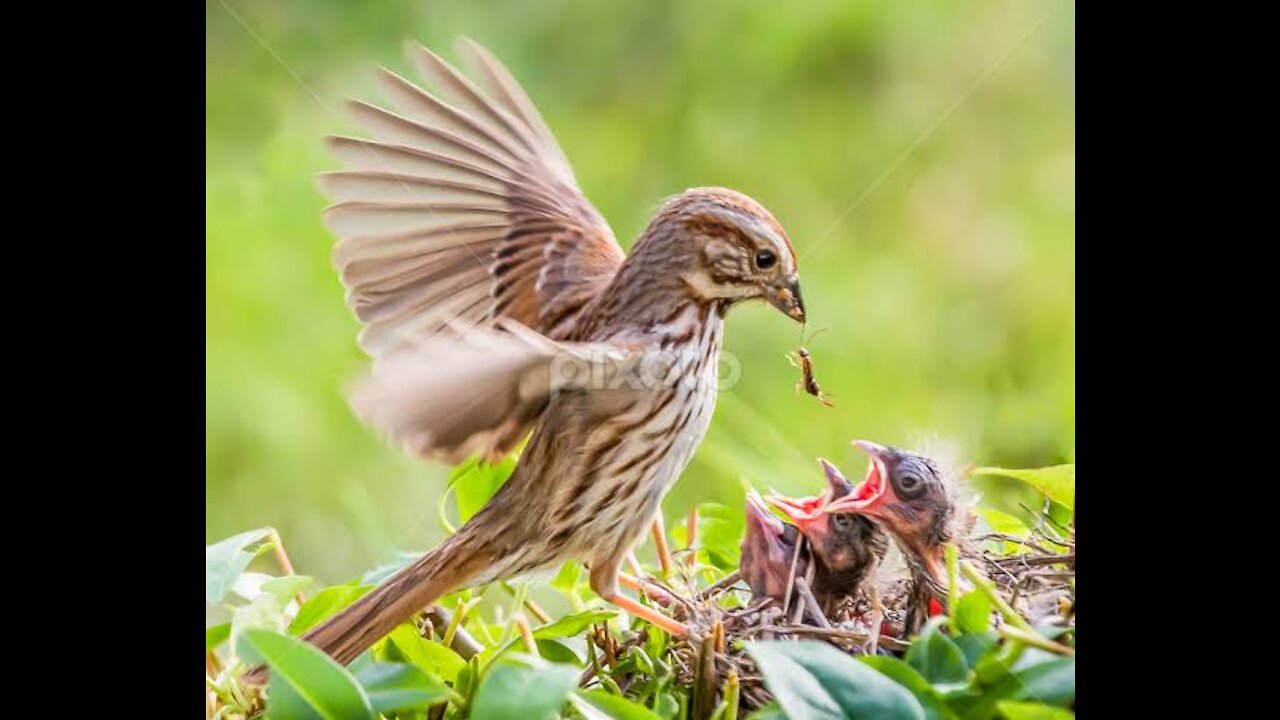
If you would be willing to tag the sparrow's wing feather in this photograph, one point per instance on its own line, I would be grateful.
(476, 390)
(461, 207)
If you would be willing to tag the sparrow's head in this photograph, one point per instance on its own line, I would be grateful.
(905, 492)
(726, 247)
(768, 547)
(841, 541)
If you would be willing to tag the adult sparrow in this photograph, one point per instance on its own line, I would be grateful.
(495, 299)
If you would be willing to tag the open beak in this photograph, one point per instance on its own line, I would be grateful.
(786, 297)
(759, 517)
(874, 490)
(837, 486)
(805, 513)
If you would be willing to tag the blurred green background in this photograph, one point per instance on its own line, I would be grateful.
(921, 156)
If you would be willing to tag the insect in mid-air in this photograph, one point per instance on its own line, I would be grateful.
(801, 359)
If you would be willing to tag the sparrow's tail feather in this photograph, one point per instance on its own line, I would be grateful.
(459, 561)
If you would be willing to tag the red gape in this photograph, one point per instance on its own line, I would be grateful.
(935, 607)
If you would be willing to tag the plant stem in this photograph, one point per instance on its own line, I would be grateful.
(691, 534)
(660, 542)
(456, 622)
(1034, 639)
(953, 558)
(731, 697)
(282, 559)
(986, 587)
(705, 680)
(522, 624)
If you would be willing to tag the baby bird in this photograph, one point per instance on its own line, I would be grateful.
(907, 493)
(846, 546)
(768, 547)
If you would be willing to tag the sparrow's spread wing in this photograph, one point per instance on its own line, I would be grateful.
(461, 208)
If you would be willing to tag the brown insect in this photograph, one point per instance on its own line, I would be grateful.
(801, 359)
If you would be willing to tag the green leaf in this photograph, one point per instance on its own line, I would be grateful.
(936, 656)
(571, 625)
(474, 482)
(973, 613)
(974, 646)
(428, 655)
(216, 635)
(812, 679)
(1057, 482)
(935, 707)
(720, 529)
(603, 705)
(396, 686)
(557, 652)
(1032, 711)
(1051, 682)
(666, 706)
(1002, 522)
(287, 587)
(567, 578)
(324, 605)
(769, 712)
(225, 560)
(521, 687)
(304, 682)
(264, 612)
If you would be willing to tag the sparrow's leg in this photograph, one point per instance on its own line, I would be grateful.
(660, 542)
(638, 584)
(604, 581)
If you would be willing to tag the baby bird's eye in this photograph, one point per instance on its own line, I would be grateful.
(842, 520)
(765, 259)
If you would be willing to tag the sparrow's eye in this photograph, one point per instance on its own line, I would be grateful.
(842, 521)
(910, 484)
(765, 259)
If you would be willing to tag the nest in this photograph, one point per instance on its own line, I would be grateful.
(1033, 574)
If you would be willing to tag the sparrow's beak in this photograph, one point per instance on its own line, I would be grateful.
(805, 513)
(786, 297)
(759, 518)
(874, 490)
(837, 486)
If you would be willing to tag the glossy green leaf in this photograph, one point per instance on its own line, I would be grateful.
(666, 705)
(603, 705)
(216, 635)
(325, 604)
(557, 652)
(570, 625)
(566, 578)
(428, 655)
(772, 711)
(1057, 482)
(1052, 682)
(812, 679)
(288, 586)
(935, 707)
(519, 687)
(474, 482)
(936, 656)
(1011, 710)
(975, 646)
(225, 560)
(397, 686)
(264, 612)
(304, 682)
(973, 613)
